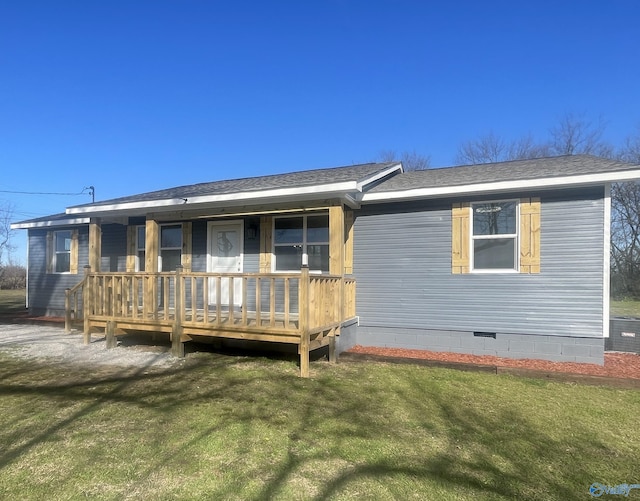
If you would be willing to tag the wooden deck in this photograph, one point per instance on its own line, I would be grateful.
(297, 308)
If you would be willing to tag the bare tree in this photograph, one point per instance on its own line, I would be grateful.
(411, 160)
(625, 240)
(491, 148)
(625, 227)
(575, 134)
(6, 215)
(630, 150)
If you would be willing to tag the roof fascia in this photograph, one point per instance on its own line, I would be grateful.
(553, 182)
(48, 224)
(323, 191)
(380, 175)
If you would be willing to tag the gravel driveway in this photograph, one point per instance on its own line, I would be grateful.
(51, 342)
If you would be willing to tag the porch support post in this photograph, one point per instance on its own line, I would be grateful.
(87, 304)
(303, 316)
(95, 243)
(336, 240)
(151, 267)
(177, 346)
(110, 334)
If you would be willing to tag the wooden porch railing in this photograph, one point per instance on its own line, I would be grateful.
(282, 307)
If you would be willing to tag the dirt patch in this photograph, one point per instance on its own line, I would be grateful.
(616, 365)
(52, 343)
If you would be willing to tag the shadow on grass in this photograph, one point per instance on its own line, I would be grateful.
(482, 452)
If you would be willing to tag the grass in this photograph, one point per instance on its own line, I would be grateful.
(231, 427)
(625, 308)
(12, 301)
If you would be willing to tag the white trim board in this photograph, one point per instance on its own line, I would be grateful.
(501, 186)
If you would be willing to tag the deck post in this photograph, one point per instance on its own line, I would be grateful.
(332, 347)
(110, 330)
(67, 310)
(177, 346)
(87, 305)
(303, 316)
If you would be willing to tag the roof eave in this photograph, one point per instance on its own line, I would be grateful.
(26, 225)
(343, 190)
(502, 186)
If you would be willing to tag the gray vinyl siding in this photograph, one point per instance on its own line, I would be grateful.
(402, 264)
(46, 290)
(114, 248)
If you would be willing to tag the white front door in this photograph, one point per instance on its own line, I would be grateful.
(225, 255)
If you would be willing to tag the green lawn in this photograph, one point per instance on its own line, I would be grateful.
(625, 308)
(12, 301)
(227, 427)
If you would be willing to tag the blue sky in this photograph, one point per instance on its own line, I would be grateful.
(133, 96)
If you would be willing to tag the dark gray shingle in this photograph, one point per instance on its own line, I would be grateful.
(300, 179)
(517, 170)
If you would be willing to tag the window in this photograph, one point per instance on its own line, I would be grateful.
(62, 251)
(170, 247)
(301, 240)
(140, 248)
(494, 236)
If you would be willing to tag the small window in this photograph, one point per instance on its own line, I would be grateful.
(494, 236)
(301, 240)
(62, 251)
(170, 247)
(140, 248)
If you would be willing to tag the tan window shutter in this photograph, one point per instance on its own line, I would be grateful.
(73, 255)
(50, 251)
(530, 235)
(187, 243)
(266, 232)
(348, 244)
(460, 214)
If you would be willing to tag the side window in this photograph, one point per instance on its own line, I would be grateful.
(140, 248)
(62, 251)
(494, 236)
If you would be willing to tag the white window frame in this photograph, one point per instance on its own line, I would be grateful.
(515, 236)
(55, 252)
(304, 243)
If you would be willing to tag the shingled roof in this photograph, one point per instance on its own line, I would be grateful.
(540, 172)
(355, 174)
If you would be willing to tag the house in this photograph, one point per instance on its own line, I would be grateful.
(508, 259)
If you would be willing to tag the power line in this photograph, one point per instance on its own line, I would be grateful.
(83, 192)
